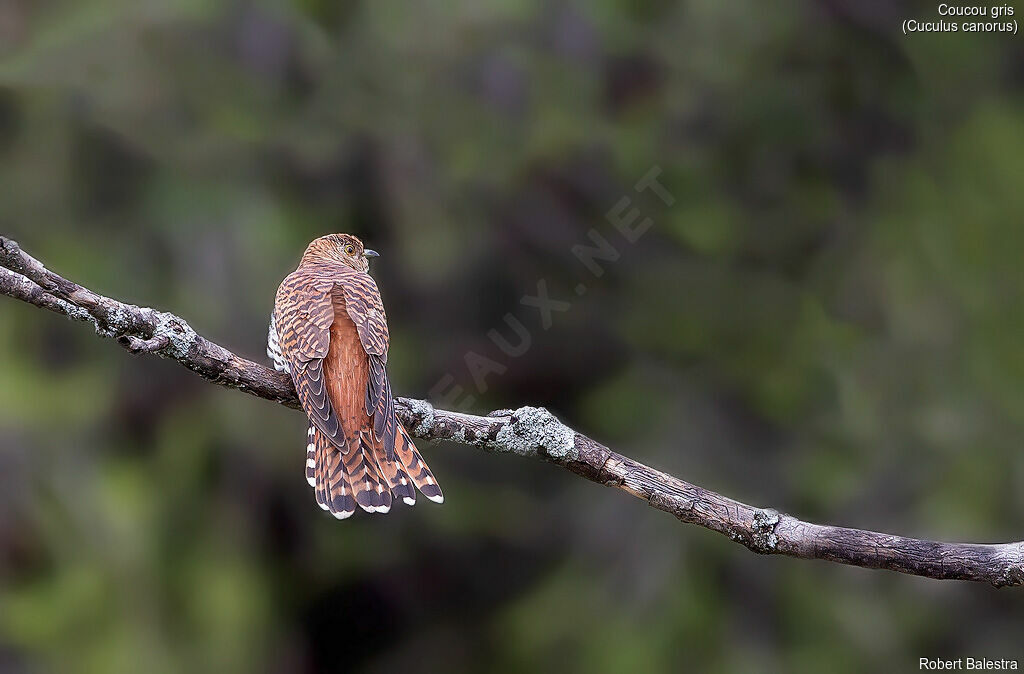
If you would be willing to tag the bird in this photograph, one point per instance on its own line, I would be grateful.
(328, 330)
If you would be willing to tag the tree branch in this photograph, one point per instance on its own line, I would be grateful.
(528, 431)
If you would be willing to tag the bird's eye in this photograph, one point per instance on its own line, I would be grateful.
(350, 249)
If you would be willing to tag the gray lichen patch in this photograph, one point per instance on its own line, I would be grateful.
(1013, 576)
(763, 537)
(1013, 571)
(10, 255)
(180, 335)
(74, 312)
(535, 431)
(425, 412)
(117, 320)
(114, 320)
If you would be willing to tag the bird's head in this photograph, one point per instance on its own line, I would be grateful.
(343, 248)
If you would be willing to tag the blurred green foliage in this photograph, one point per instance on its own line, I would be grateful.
(826, 320)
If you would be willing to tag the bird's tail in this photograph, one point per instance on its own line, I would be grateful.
(326, 473)
(415, 466)
(363, 476)
(370, 490)
(394, 473)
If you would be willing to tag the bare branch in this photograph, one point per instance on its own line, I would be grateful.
(132, 325)
(136, 345)
(19, 287)
(528, 431)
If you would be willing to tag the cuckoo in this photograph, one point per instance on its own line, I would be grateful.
(329, 332)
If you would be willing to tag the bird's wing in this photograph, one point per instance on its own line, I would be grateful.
(303, 314)
(396, 455)
(364, 306)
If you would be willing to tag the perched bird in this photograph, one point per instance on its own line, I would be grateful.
(329, 332)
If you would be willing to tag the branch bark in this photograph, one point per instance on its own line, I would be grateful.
(528, 431)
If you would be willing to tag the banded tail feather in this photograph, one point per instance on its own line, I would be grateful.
(416, 467)
(311, 456)
(394, 474)
(368, 487)
(325, 473)
(320, 478)
(340, 497)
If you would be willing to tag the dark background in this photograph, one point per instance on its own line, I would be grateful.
(827, 320)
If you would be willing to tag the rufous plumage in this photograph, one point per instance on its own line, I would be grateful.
(330, 333)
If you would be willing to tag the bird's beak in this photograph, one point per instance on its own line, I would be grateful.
(370, 253)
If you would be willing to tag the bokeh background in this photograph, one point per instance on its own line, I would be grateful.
(827, 320)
